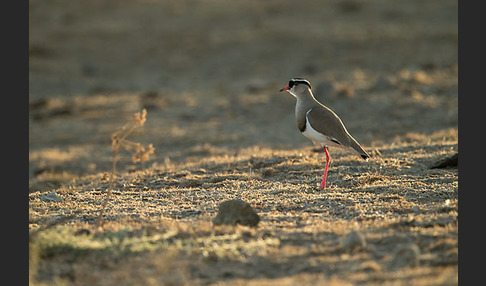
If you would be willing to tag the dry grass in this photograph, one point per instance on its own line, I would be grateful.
(119, 141)
(158, 227)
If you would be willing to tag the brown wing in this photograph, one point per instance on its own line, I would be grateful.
(325, 121)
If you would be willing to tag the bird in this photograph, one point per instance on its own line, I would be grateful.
(320, 124)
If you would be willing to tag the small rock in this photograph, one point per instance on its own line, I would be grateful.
(269, 171)
(354, 240)
(236, 212)
(405, 255)
(51, 197)
(448, 162)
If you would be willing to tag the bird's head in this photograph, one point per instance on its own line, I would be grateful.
(297, 86)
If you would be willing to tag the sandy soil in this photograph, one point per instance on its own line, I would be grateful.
(208, 74)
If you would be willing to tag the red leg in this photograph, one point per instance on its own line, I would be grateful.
(328, 158)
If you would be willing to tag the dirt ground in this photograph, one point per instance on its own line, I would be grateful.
(208, 74)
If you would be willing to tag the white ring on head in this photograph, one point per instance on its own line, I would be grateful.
(300, 80)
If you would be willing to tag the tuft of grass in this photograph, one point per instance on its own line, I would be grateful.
(161, 252)
(119, 141)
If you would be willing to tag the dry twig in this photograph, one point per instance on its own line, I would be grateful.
(140, 152)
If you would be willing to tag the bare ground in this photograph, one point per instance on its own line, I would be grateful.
(208, 73)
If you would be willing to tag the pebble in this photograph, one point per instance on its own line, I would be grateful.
(235, 212)
(405, 255)
(354, 240)
(51, 197)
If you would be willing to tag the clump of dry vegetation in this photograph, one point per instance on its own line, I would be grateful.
(119, 141)
(160, 229)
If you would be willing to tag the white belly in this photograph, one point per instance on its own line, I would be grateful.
(317, 137)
